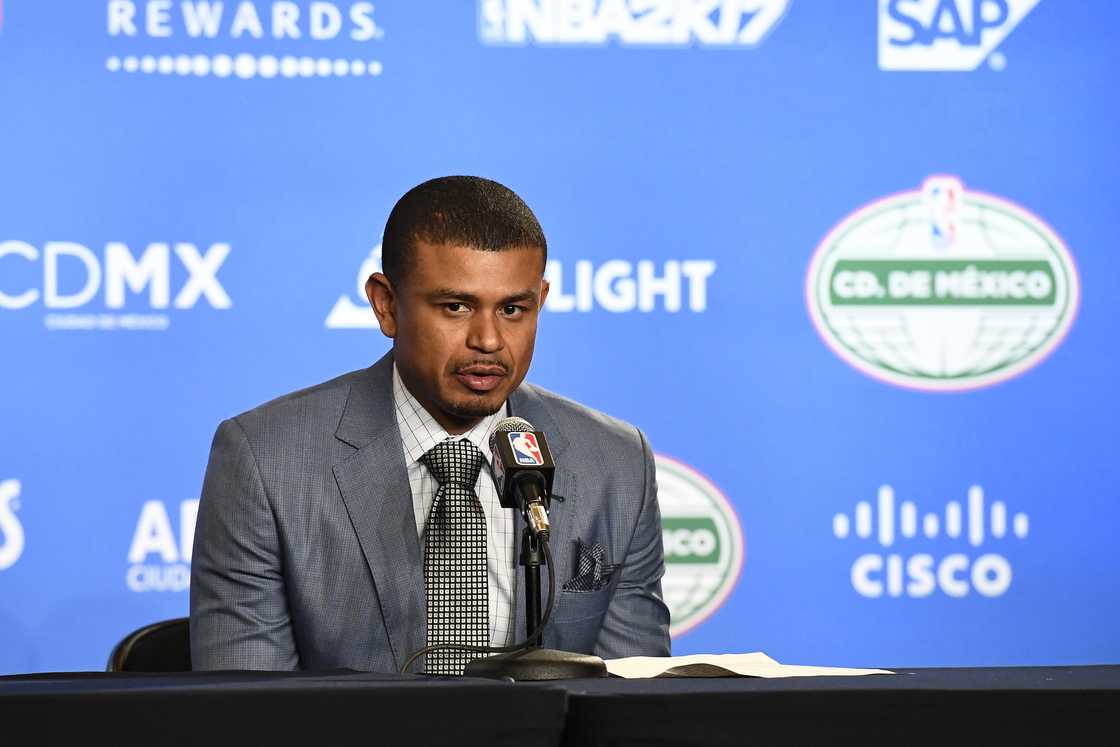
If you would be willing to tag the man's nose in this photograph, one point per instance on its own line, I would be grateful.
(484, 334)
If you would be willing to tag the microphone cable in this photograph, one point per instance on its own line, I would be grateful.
(513, 648)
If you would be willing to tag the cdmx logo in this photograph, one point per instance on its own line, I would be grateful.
(874, 575)
(11, 530)
(68, 276)
(946, 34)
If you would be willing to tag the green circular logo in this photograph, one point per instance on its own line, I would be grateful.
(941, 289)
(703, 544)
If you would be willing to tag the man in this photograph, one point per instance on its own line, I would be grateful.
(353, 523)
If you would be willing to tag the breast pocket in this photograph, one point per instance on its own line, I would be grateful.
(583, 605)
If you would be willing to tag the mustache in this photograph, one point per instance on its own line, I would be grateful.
(487, 362)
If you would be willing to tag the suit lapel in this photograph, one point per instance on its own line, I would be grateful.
(527, 403)
(374, 486)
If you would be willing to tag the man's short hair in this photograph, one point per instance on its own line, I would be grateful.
(462, 211)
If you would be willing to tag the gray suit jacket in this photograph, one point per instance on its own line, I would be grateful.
(306, 554)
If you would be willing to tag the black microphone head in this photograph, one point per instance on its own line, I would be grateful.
(520, 458)
(509, 425)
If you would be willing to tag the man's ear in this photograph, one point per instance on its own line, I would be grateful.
(383, 300)
(544, 292)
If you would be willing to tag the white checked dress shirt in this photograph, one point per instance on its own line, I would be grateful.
(419, 433)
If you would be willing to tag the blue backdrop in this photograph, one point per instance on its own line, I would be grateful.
(846, 263)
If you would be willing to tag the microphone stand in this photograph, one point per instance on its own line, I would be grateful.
(532, 558)
(535, 662)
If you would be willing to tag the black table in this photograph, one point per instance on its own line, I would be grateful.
(272, 709)
(945, 707)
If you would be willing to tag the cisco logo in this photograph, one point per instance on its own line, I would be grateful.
(158, 560)
(660, 23)
(946, 34)
(922, 574)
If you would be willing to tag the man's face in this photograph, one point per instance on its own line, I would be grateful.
(463, 323)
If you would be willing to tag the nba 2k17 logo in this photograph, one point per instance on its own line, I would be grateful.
(658, 23)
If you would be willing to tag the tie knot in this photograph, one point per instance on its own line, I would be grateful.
(454, 462)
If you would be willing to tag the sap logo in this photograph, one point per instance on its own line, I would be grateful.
(11, 531)
(946, 34)
(921, 574)
(154, 537)
(204, 19)
(119, 270)
(671, 23)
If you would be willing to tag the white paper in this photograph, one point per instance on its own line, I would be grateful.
(723, 665)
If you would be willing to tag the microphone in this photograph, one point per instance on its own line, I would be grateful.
(523, 471)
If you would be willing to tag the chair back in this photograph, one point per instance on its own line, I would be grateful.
(164, 646)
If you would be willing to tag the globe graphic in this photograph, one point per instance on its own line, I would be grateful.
(942, 346)
(692, 591)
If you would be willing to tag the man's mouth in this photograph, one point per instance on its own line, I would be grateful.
(481, 378)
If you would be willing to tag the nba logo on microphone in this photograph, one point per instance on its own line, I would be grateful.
(525, 449)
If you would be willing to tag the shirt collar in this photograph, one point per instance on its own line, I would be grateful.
(419, 430)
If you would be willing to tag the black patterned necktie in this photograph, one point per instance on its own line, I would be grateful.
(455, 557)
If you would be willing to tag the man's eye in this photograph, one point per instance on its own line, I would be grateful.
(512, 310)
(455, 307)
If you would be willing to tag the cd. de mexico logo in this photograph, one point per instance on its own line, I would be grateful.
(942, 289)
(703, 544)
